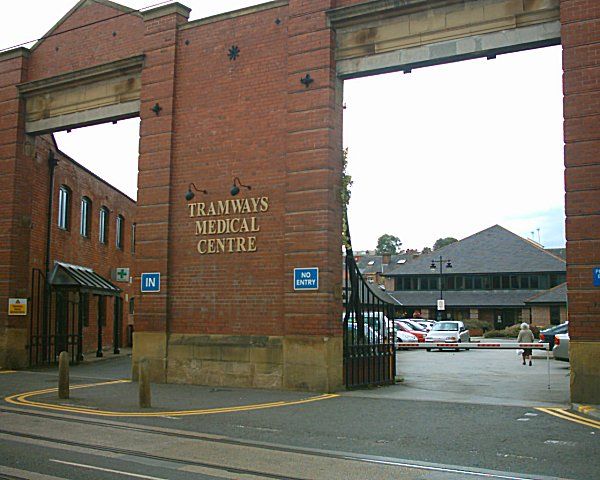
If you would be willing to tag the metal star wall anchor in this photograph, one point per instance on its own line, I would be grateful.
(307, 80)
(234, 52)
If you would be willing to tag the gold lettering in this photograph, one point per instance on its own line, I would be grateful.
(200, 227)
(233, 228)
(212, 227)
(222, 227)
(220, 245)
(223, 207)
(236, 204)
(264, 204)
(252, 244)
(255, 201)
(246, 208)
(200, 210)
(211, 210)
(244, 228)
(254, 225)
(230, 241)
(202, 247)
(241, 244)
(191, 206)
(211, 245)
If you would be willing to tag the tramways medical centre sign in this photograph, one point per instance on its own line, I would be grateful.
(227, 226)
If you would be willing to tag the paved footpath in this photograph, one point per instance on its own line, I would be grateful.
(202, 432)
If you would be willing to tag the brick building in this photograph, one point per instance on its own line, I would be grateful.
(496, 277)
(91, 234)
(257, 94)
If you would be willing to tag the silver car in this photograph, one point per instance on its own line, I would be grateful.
(561, 346)
(448, 332)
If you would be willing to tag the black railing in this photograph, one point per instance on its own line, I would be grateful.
(369, 332)
(55, 324)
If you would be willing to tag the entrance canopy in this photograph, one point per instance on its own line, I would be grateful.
(65, 275)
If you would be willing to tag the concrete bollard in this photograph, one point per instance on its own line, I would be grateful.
(63, 375)
(144, 384)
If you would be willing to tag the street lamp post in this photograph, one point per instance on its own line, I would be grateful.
(433, 268)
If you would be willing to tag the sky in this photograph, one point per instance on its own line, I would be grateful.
(443, 151)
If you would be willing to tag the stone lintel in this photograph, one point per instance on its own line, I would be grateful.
(344, 16)
(14, 53)
(85, 118)
(169, 9)
(465, 48)
(83, 76)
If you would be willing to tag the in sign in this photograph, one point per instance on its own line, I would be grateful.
(151, 282)
(306, 278)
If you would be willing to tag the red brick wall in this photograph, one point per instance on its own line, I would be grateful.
(15, 170)
(581, 84)
(71, 47)
(69, 245)
(230, 121)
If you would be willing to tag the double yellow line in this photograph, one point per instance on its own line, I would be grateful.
(571, 417)
(23, 400)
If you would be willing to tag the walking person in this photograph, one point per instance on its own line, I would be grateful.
(526, 336)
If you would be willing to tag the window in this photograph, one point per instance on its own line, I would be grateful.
(86, 208)
(131, 306)
(119, 236)
(64, 207)
(133, 238)
(103, 225)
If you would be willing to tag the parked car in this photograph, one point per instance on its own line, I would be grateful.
(428, 324)
(370, 336)
(404, 337)
(448, 332)
(413, 323)
(403, 326)
(376, 321)
(561, 346)
(547, 335)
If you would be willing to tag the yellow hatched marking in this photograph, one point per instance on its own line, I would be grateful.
(23, 399)
(571, 417)
(8, 371)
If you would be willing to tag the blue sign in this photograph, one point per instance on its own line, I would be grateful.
(597, 277)
(151, 282)
(306, 278)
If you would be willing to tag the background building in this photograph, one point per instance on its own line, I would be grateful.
(496, 277)
(81, 232)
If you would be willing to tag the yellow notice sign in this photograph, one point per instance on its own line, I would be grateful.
(17, 306)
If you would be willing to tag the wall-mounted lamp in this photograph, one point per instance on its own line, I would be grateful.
(189, 195)
(236, 186)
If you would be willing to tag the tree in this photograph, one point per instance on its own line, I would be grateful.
(425, 250)
(442, 242)
(345, 194)
(388, 244)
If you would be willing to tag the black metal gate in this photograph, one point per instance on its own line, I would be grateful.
(55, 324)
(369, 331)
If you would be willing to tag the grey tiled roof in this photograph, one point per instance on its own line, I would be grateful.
(364, 260)
(557, 294)
(472, 298)
(493, 250)
(559, 252)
